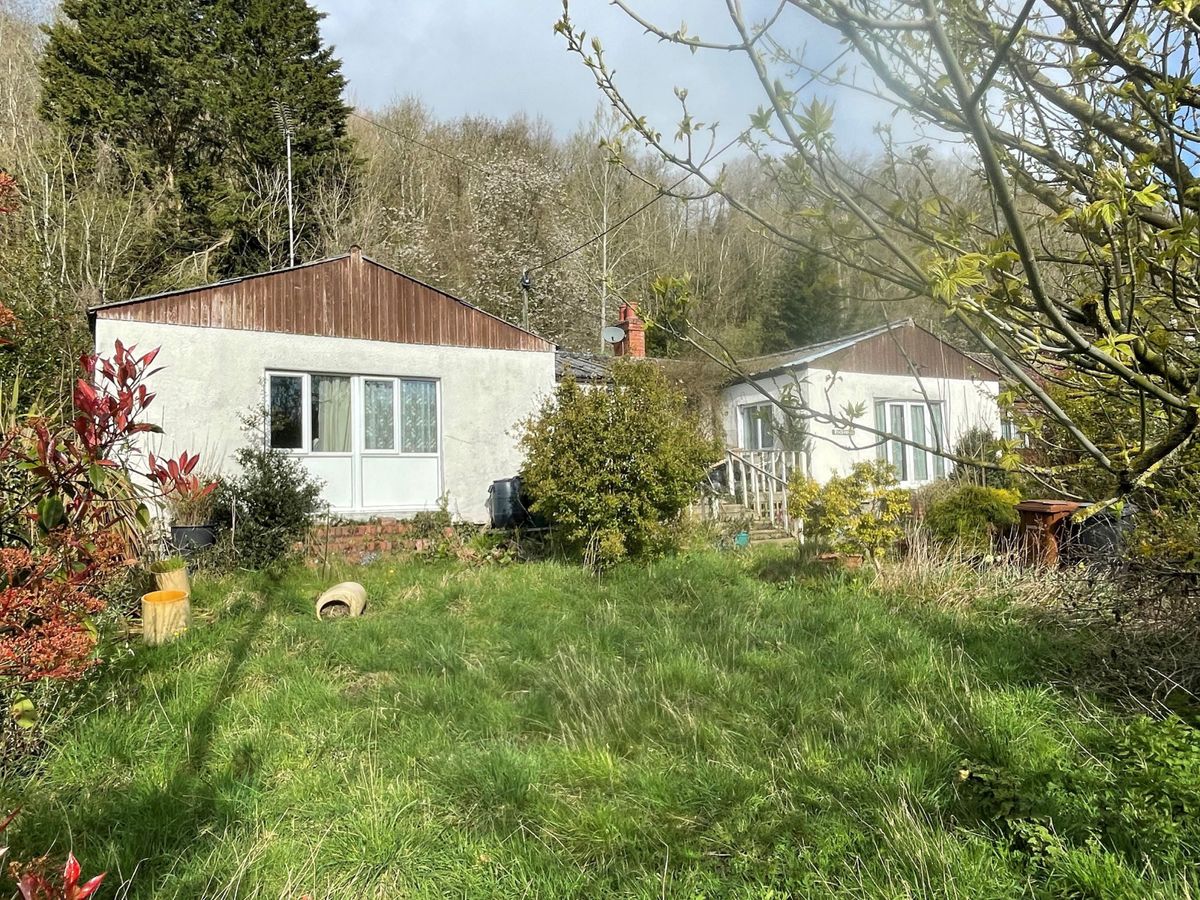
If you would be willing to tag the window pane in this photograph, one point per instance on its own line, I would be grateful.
(330, 414)
(379, 415)
(287, 412)
(766, 418)
(749, 429)
(919, 457)
(939, 430)
(418, 417)
(897, 428)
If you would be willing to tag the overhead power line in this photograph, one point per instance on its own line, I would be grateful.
(422, 144)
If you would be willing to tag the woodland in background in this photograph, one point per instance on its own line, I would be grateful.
(109, 208)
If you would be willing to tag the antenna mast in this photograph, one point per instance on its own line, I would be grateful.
(284, 115)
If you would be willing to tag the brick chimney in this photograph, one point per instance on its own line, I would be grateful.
(635, 332)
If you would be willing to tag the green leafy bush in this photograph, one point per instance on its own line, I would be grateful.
(972, 516)
(269, 507)
(862, 512)
(613, 468)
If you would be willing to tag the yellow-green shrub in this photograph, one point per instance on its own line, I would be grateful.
(862, 512)
(972, 515)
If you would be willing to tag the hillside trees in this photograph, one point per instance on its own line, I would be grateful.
(186, 95)
(1074, 258)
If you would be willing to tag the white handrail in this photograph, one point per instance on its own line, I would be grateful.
(762, 476)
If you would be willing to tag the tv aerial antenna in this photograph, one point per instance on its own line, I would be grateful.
(284, 116)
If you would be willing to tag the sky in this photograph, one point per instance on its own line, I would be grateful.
(502, 57)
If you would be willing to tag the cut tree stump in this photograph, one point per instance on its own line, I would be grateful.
(346, 599)
(165, 616)
(175, 580)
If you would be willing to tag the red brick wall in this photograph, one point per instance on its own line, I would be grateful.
(358, 538)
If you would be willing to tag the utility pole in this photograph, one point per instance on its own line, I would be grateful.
(284, 115)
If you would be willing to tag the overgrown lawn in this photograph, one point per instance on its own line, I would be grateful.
(707, 726)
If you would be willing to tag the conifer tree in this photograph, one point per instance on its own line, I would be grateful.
(806, 305)
(187, 92)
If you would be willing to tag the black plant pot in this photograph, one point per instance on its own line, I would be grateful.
(190, 538)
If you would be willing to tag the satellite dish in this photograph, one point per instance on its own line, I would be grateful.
(613, 334)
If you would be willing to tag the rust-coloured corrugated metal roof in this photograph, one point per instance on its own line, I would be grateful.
(348, 296)
(895, 348)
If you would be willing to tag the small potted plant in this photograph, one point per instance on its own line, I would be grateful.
(170, 574)
(190, 507)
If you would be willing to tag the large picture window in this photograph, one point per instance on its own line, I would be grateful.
(919, 422)
(342, 414)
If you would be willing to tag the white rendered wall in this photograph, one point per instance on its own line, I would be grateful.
(967, 404)
(210, 377)
(745, 394)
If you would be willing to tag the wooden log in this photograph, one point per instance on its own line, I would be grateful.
(346, 599)
(174, 580)
(165, 616)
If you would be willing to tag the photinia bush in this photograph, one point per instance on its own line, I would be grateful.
(72, 511)
(614, 468)
(33, 883)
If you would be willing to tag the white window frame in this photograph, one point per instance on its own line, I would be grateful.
(743, 442)
(358, 437)
(361, 433)
(907, 476)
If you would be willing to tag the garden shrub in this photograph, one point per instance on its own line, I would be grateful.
(863, 512)
(269, 507)
(981, 444)
(972, 516)
(612, 468)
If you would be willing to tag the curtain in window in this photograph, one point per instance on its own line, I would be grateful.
(898, 449)
(920, 459)
(379, 415)
(418, 417)
(939, 430)
(881, 448)
(330, 414)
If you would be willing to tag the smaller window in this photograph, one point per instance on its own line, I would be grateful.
(287, 412)
(758, 427)
(379, 414)
(330, 414)
(418, 417)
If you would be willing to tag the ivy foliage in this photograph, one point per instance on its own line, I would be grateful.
(613, 468)
(862, 512)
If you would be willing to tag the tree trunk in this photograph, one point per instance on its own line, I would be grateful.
(175, 580)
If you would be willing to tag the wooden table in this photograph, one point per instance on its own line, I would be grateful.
(1043, 524)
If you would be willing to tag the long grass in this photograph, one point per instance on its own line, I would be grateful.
(708, 726)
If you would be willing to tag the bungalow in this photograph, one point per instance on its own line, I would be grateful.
(896, 378)
(392, 392)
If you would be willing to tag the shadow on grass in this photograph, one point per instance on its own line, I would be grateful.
(156, 830)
